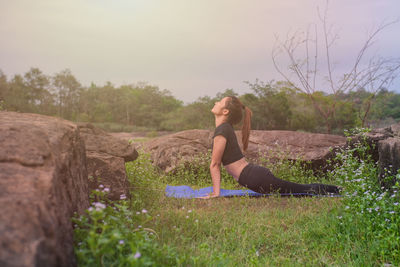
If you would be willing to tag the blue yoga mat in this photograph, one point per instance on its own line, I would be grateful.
(184, 191)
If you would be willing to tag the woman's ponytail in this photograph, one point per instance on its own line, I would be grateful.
(235, 107)
(246, 127)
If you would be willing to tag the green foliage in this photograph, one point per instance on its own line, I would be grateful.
(371, 212)
(114, 235)
(276, 105)
(196, 171)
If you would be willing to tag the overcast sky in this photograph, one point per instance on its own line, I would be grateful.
(192, 48)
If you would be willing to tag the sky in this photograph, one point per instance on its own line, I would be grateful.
(192, 48)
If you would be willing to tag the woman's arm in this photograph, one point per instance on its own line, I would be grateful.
(215, 166)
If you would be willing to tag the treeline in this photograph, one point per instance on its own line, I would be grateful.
(276, 105)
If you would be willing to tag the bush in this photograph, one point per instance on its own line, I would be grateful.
(112, 234)
(370, 212)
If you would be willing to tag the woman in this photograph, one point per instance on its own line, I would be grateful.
(228, 112)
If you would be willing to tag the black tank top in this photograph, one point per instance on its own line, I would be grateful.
(232, 150)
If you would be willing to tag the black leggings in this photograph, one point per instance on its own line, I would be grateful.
(261, 180)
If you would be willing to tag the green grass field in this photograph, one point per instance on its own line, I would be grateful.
(360, 229)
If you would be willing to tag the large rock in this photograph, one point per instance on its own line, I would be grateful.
(389, 158)
(168, 151)
(106, 157)
(384, 146)
(306, 147)
(43, 181)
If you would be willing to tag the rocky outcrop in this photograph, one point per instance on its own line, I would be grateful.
(106, 156)
(167, 151)
(384, 146)
(43, 181)
(306, 147)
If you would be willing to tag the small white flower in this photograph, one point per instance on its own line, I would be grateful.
(139, 226)
(121, 242)
(189, 211)
(392, 212)
(137, 255)
(144, 211)
(397, 203)
(123, 196)
(196, 221)
(99, 206)
(101, 186)
(106, 189)
(90, 208)
(138, 212)
(257, 253)
(183, 207)
(377, 208)
(158, 215)
(339, 217)
(347, 207)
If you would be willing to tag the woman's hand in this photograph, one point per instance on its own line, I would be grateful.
(212, 195)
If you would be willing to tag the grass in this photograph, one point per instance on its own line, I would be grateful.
(153, 230)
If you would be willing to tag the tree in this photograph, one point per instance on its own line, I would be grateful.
(373, 73)
(270, 105)
(67, 91)
(37, 85)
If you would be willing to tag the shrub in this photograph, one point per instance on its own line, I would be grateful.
(370, 212)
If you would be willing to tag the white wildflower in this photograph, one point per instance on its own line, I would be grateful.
(99, 206)
(144, 211)
(137, 255)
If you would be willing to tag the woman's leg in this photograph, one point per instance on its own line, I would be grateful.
(261, 180)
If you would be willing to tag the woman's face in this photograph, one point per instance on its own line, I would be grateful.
(219, 107)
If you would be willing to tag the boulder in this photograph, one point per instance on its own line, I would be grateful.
(167, 151)
(109, 171)
(106, 156)
(389, 158)
(43, 182)
(306, 147)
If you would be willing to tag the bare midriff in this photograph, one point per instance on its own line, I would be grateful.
(235, 168)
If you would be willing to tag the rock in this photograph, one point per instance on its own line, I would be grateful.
(43, 181)
(168, 151)
(100, 141)
(106, 157)
(389, 158)
(109, 171)
(306, 147)
(384, 146)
